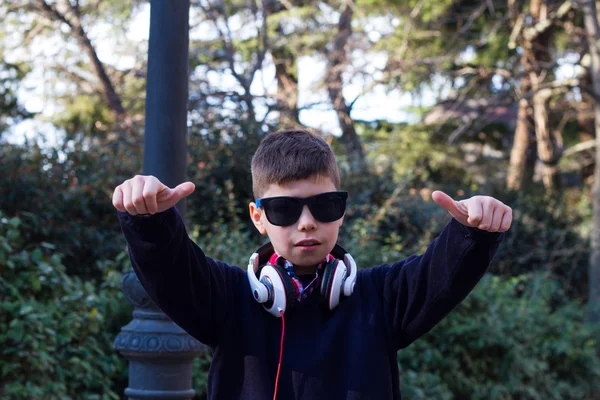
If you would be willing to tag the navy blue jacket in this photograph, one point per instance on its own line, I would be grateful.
(347, 354)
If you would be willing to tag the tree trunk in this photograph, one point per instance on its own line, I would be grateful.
(538, 52)
(593, 35)
(546, 146)
(586, 120)
(334, 81)
(287, 91)
(109, 94)
(585, 107)
(523, 154)
(73, 21)
(286, 73)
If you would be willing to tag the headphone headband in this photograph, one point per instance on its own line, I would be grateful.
(262, 294)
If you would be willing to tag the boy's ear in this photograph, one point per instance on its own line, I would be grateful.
(255, 215)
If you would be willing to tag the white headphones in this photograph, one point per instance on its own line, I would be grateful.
(276, 291)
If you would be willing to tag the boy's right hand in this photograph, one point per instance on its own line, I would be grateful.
(147, 195)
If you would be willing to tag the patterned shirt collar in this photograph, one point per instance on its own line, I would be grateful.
(302, 291)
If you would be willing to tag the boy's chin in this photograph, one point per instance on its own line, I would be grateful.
(306, 261)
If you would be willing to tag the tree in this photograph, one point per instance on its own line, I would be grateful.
(590, 12)
(100, 103)
(231, 52)
(523, 153)
(284, 53)
(537, 30)
(337, 64)
(537, 43)
(11, 111)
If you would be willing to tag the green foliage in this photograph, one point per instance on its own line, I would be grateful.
(221, 170)
(117, 13)
(66, 194)
(65, 36)
(412, 151)
(84, 113)
(54, 341)
(508, 340)
(494, 51)
(293, 39)
(549, 235)
(11, 111)
(233, 243)
(431, 10)
(200, 374)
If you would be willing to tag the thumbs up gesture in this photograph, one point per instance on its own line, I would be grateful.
(147, 195)
(481, 212)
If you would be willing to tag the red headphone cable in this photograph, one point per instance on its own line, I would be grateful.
(280, 354)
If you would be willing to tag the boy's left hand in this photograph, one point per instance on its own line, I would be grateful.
(481, 212)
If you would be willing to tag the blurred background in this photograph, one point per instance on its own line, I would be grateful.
(491, 97)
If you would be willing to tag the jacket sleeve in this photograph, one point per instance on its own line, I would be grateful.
(196, 292)
(421, 290)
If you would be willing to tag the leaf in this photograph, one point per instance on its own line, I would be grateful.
(26, 309)
(14, 222)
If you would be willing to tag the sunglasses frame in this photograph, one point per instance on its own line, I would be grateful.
(304, 201)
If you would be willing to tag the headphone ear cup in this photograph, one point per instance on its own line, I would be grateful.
(326, 281)
(280, 287)
(291, 294)
(331, 285)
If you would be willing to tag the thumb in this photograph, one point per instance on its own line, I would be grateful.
(184, 189)
(448, 204)
(169, 197)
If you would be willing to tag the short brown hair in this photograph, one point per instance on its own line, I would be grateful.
(291, 155)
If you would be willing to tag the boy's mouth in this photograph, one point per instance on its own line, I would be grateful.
(308, 243)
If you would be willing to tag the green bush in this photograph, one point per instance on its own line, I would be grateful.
(55, 340)
(65, 195)
(551, 235)
(512, 338)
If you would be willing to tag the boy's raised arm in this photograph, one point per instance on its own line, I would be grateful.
(421, 290)
(192, 289)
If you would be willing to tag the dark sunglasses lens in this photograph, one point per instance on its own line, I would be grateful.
(283, 212)
(328, 207)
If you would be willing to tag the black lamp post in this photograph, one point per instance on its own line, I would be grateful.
(160, 353)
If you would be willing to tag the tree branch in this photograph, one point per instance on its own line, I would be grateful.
(516, 32)
(579, 147)
(263, 32)
(53, 12)
(530, 34)
(408, 27)
(338, 60)
(111, 98)
(552, 88)
(226, 41)
(75, 8)
(483, 71)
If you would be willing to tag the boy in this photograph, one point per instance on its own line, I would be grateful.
(342, 329)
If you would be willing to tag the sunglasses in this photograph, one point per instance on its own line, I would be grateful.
(285, 211)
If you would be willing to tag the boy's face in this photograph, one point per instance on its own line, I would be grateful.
(286, 239)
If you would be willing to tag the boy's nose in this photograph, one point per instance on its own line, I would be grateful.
(306, 222)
